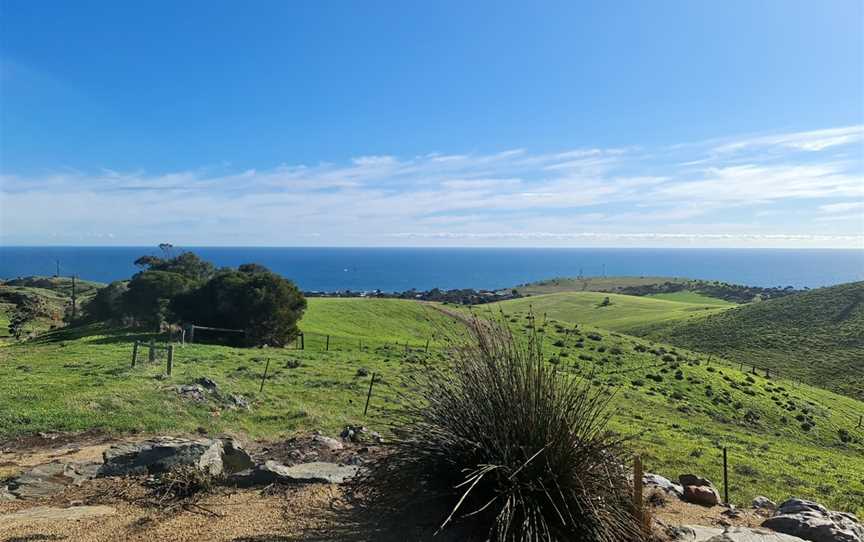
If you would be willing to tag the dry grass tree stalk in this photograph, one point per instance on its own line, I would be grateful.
(513, 449)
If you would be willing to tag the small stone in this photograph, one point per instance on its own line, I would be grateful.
(327, 443)
(206, 383)
(764, 503)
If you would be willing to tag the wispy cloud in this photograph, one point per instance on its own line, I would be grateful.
(772, 189)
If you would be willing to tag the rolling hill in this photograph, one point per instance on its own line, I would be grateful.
(679, 408)
(623, 312)
(815, 336)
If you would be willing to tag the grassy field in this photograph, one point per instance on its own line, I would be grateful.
(815, 336)
(693, 297)
(624, 313)
(591, 284)
(681, 411)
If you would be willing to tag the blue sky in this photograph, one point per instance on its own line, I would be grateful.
(626, 123)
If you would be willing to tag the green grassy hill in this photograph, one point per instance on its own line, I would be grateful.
(783, 439)
(592, 284)
(624, 313)
(53, 295)
(815, 336)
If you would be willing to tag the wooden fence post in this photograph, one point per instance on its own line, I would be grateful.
(302, 341)
(369, 395)
(264, 377)
(637, 488)
(170, 366)
(151, 357)
(327, 348)
(725, 477)
(134, 353)
(191, 334)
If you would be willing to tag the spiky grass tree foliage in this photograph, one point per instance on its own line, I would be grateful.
(515, 449)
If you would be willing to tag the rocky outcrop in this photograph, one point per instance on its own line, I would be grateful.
(154, 456)
(764, 503)
(814, 522)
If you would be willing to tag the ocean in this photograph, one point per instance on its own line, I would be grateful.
(396, 269)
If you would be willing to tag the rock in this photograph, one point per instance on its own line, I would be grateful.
(238, 401)
(192, 392)
(50, 479)
(692, 533)
(321, 472)
(272, 472)
(664, 484)
(6, 495)
(744, 534)
(704, 495)
(206, 383)
(812, 521)
(327, 443)
(693, 480)
(696, 533)
(49, 513)
(164, 453)
(377, 438)
(731, 512)
(764, 503)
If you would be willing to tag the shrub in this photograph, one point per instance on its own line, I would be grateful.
(515, 449)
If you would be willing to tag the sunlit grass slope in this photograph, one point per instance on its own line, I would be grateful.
(815, 336)
(624, 312)
(783, 440)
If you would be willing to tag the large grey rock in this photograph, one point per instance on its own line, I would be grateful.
(650, 480)
(696, 533)
(272, 472)
(214, 456)
(812, 521)
(51, 514)
(49, 479)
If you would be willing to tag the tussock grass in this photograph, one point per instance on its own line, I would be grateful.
(516, 449)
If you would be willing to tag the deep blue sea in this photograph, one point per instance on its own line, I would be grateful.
(395, 269)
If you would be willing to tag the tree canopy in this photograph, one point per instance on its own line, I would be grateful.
(187, 289)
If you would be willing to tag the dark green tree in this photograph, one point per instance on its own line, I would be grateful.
(252, 298)
(107, 304)
(150, 293)
(187, 264)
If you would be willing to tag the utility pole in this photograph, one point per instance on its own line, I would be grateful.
(74, 299)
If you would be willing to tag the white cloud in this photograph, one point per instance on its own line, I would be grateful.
(811, 141)
(499, 197)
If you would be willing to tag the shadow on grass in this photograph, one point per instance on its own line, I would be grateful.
(107, 335)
